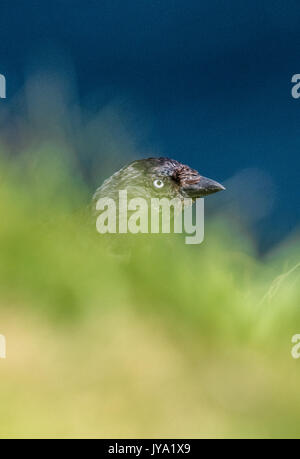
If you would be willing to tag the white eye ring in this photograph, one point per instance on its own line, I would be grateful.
(158, 183)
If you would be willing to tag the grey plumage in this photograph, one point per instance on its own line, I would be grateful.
(138, 179)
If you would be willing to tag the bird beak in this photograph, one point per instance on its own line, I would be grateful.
(204, 187)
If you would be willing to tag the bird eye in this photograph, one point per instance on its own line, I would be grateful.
(158, 183)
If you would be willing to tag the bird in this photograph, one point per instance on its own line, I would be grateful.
(158, 177)
(149, 178)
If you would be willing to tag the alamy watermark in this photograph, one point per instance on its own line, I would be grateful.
(296, 348)
(2, 87)
(2, 347)
(138, 215)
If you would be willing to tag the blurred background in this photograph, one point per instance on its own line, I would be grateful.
(176, 341)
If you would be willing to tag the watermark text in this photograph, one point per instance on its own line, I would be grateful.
(2, 87)
(154, 216)
(2, 347)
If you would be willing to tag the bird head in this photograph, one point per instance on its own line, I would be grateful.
(158, 177)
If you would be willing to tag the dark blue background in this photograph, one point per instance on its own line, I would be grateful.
(212, 77)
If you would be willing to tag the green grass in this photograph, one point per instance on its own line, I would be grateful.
(174, 341)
